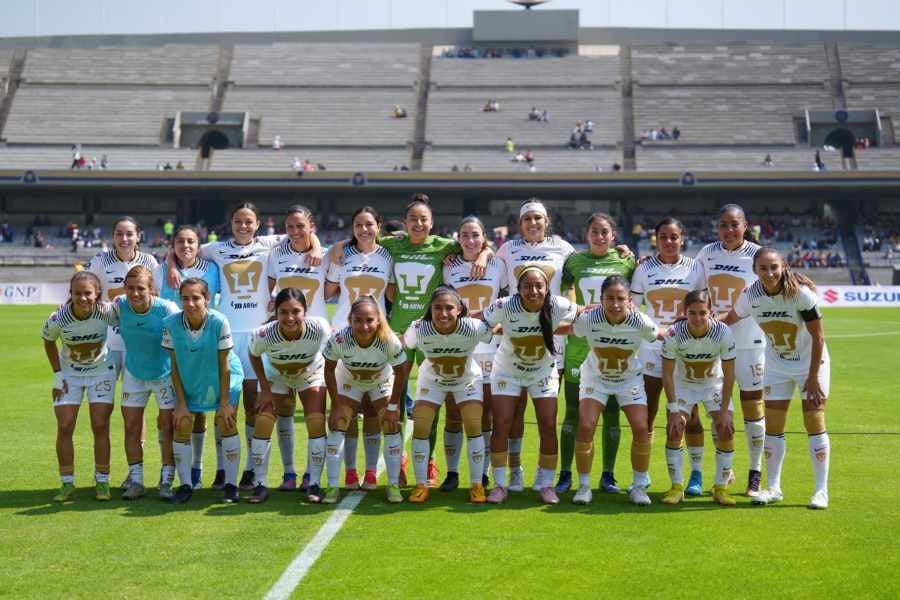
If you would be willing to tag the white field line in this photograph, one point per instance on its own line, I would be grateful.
(860, 335)
(303, 562)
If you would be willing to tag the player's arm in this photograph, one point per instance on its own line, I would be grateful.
(226, 412)
(814, 392)
(729, 318)
(315, 254)
(392, 410)
(390, 291)
(259, 369)
(675, 422)
(330, 379)
(337, 252)
(60, 386)
(724, 423)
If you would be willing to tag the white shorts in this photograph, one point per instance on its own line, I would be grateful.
(626, 393)
(282, 386)
(710, 396)
(241, 349)
(507, 384)
(650, 356)
(486, 363)
(749, 366)
(427, 391)
(780, 385)
(559, 346)
(100, 389)
(136, 392)
(346, 387)
(117, 358)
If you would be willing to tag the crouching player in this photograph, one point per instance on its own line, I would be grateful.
(784, 305)
(85, 368)
(197, 339)
(614, 332)
(698, 368)
(447, 338)
(147, 370)
(371, 366)
(293, 344)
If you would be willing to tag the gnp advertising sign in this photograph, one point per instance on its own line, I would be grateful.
(33, 293)
(860, 295)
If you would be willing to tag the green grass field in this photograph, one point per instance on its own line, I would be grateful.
(449, 548)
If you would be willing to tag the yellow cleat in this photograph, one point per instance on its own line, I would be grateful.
(675, 494)
(476, 494)
(419, 494)
(66, 493)
(722, 497)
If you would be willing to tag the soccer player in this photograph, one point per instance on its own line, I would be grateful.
(365, 360)
(290, 267)
(477, 294)
(447, 338)
(583, 276)
(728, 268)
(525, 362)
(85, 368)
(147, 370)
(362, 268)
(206, 376)
(293, 345)
(784, 305)
(698, 368)
(614, 332)
(660, 283)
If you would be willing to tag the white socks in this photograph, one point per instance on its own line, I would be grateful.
(696, 455)
(220, 456)
(260, 458)
(183, 456)
(285, 427)
(675, 462)
(776, 447)
(197, 441)
(421, 449)
(231, 451)
(248, 435)
(640, 478)
(372, 444)
(393, 456)
(755, 432)
(475, 448)
(724, 463)
(136, 471)
(350, 445)
(500, 476)
(334, 453)
(820, 453)
(486, 436)
(452, 449)
(316, 459)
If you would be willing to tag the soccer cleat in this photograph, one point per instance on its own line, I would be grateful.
(393, 494)
(246, 483)
(608, 483)
(219, 482)
(165, 490)
(419, 494)
(101, 491)
(722, 497)
(288, 482)
(314, 494)
(675, 495)
(695, 484)
(565, 482)
(260, 494)
(432, 473)
(516, 479)
(196, 478)
(819, 500)
(304, 482)
(66, 493)
(351, 480)
(182, 494)
(451, 482)
(403, 462)
(230, 494)
(332, 495)
(476, 494)
(753, 479)
(498, 495)
(370, 481)
(769, 496)
(126, 483)
(638, 495)
(548, 495)
(134, 491)
(485, 480)
(583, 495)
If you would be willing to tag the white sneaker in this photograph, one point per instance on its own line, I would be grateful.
(538, 485)
(638, 495)
(584, 495)
(769, 496)
(819, 500)
(516, 479)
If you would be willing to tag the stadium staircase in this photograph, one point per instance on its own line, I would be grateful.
(847, 212)
(218, 89)
(628, 153)
(423, 87)
(14, 75)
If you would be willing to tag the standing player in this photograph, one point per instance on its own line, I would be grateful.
(728, 268)
(614, 332)
(784, 304)
(371, 367)
(702, 350)
(447, 338)
(661, 283)
(147, 370)
(197, 339)
(584, 273)
(293, 345)
(525, 363)
(85, 368)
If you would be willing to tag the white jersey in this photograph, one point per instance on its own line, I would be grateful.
(522, 350)
(290, 269)
(662, 287)
(727, 273)
(783, 321)
(550, 255)
(614, 346)
(245, 285)
(699, 359)
(84, 351)
(478, 292)
(293, 360)
(359, 274)
(448, 358)
(112, 271)
(366, 367)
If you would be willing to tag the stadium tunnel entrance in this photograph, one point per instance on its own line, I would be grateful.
(843, 139)
(213, 140)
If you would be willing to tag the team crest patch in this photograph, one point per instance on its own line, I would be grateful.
(648, 366)
(821, 454)
(757, 443)
(767, 390)
(501, 385)
(589, 390)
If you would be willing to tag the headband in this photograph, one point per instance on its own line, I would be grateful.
(533, 206)
(533, 268)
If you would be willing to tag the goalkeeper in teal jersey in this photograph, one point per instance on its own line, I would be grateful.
(583, 274)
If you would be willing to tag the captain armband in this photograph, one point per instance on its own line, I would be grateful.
(812, 314)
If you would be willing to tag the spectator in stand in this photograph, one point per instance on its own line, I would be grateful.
(104, 162)
(297, 164)
(270, 226)
(818, 165)
(545, 116)
(168, 230)
(213, 237)
(676, 133)
(399, 112)
(529, 156)
(467, 168)
(589, 126)
(179, 166)
(510, 145)
(76, 157)
(584, 143)
(307, 166)
(616, 166)
(454, 169)
(321, 167)
(167, 166)
(534, 114)
(39, 240)
(767, 161)
(277, 144)
(573, 141)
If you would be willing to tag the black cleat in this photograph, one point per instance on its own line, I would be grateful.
(314, 494)
(259, 495)
(451, 482)
(753, 479)
(246, 483)
(182, 494)
(230, 495)
(219, 482)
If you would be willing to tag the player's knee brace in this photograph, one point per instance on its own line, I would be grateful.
(694, 438)
(265, 423)
(471, 418)
(498, 459)
(224, 429)
(753, 410)
(183, 429)
(725, 445)
(341, 421)
(584, 456)
(776, 418)
(371, 424)
(814, 420)
(315, 425)
(640, 456)
(286, 407)
(423, 417)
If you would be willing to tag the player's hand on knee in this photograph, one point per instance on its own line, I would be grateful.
(227, 414)
(814, 393)
(724, 424)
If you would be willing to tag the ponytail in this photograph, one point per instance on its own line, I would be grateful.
(545, 317)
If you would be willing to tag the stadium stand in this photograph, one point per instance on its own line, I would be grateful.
(120, 157)
(870, 62)
(886, 98)
(675, 157)
(335, 159)
(544, 72)
(887, 159)
(547, 160)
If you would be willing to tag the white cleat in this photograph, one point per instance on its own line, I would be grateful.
(583, 496)
(819, 500)
(769, 496)
(638, 495)
(516, 479)
(538, 485)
